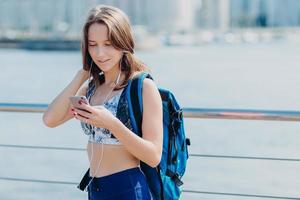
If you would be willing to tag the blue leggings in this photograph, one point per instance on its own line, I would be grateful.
(129, 184)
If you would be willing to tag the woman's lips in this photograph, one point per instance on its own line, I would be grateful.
(103, 61)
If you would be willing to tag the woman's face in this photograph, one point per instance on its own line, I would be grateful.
(100, 48)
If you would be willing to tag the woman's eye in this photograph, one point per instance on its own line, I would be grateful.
(92, 45)
(108, 44)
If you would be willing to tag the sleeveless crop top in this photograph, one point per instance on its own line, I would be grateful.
(118, 106)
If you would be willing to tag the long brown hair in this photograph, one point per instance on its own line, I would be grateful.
(119, 34)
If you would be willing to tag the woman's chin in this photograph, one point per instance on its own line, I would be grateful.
(107, 67)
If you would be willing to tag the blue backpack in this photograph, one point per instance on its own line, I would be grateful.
(165, 179)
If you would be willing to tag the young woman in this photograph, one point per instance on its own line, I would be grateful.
(114, 150)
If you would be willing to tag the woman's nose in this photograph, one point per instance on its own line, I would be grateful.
(100, 51)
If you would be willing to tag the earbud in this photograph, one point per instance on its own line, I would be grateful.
(90, 70)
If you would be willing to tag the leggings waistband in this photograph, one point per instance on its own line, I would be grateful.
(117, 175)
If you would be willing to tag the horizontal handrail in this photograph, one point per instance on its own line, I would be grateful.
(241, 195)
(23, 107)
(244, 157)
(218, 113)
(191, 155)
(184, 190)
(42, 147)
(247, 114)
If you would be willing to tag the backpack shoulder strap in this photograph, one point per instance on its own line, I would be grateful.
(135, 100)
(84, 181)
(135, 105)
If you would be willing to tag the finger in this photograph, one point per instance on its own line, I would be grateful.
(86, 107)
(83, 113)
(82, 119)
(72, 110)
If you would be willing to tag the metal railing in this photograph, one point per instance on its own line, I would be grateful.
(219, 113)
(245, 114)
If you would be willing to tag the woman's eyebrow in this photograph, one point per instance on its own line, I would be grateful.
(95, 41)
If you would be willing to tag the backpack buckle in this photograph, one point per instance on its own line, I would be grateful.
(178, 114)
(177, 180)
(175, 177)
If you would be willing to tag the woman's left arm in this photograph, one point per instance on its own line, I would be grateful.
(149, 148)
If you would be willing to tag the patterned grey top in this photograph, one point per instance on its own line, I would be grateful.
(118, 105)
(102, 135)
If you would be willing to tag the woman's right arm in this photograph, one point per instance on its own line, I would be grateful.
(58, 110)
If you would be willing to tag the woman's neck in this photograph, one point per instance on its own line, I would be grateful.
(112, 77)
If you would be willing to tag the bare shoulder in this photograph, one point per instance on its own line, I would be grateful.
(150, 90)
(149, 84)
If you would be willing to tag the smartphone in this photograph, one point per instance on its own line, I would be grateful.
(75, 101)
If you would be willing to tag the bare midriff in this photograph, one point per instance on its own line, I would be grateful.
(115, 159)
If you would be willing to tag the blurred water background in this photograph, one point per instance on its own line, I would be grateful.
(255, 76)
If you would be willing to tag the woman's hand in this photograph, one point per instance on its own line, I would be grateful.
(98, 117)
(58, 110)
